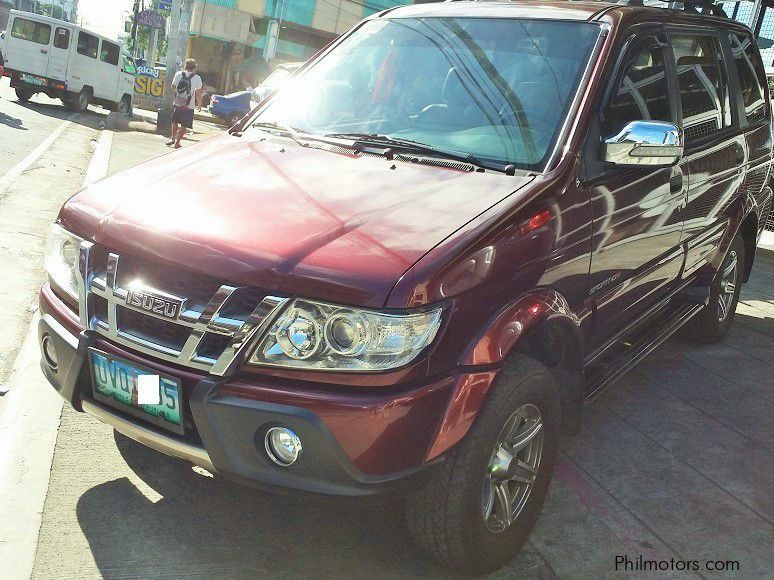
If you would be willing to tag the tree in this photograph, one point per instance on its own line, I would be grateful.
(144, 34)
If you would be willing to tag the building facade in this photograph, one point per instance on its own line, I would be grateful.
(236, 43)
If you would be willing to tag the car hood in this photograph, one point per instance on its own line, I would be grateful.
(266, 212)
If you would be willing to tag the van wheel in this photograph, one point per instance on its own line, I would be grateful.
(713, 322)
(125, 106)
(481, 504)
(23, 95)
(81, 101)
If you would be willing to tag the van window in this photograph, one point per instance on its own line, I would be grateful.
(703, 90)
(31, 30)
(62, 38)
(109, 53)
(87, 44)
(643, 94)
(752, 77)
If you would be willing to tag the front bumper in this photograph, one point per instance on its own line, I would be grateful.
(355, 444)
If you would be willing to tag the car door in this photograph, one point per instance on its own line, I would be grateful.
(636, 252)
(109, 57)
(28, 46)
(754, 115)
(59, 54)
(715, 147)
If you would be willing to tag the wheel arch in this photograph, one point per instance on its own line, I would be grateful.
(540, 325)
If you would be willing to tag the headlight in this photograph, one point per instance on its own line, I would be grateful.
(62, 260)
(313, 335)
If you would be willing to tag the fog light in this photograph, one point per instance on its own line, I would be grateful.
(282, 446)
(49, 352)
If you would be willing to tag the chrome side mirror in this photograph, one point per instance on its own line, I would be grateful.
(645, 143)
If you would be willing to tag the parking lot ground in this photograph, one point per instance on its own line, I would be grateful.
(676, 461)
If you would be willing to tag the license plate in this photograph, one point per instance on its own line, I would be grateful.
(33, 80)
(115, 383)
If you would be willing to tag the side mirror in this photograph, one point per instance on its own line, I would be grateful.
(645, 143)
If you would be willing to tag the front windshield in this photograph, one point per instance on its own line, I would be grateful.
(498, 89)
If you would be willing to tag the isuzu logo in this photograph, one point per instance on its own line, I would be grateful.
(154, 302)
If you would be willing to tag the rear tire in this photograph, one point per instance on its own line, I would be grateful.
(459, 515)
(24, 95)
(80, 102)
(711, 325)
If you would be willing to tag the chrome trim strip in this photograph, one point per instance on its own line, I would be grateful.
(202, 325)
(153, 439)
(236, 352)
(84, 282)
(110, 288)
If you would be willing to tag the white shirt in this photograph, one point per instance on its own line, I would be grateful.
(196, 84)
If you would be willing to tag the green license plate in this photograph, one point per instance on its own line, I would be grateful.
(115, 384)
(34, 80)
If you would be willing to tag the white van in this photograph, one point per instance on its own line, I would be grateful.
(65, 61)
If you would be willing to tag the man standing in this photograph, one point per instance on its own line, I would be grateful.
(187, 90)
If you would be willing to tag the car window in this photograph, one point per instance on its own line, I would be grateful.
(31, 30)
(703, 90)
(87, 44)
(109, 53)
(62, 38)
(752, 77)
(643, 93)
(496, 88)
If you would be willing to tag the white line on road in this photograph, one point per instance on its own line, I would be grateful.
(98, 167)
(30, 415)
(12, 174)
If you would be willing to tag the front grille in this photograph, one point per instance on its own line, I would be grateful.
(215, 324)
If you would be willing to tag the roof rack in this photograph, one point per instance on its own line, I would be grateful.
(709, 7)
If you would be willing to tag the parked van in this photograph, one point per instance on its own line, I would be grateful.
(65, 61)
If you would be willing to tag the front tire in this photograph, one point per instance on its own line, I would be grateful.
(478, 509)
(24, 95)
(125, 106)
(712, 324)
(233, 119)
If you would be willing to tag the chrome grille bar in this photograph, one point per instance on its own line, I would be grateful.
(241, 333)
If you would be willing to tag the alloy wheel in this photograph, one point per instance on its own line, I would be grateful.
(727, 285)
(513, 468)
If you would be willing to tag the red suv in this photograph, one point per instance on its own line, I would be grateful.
(409, 268)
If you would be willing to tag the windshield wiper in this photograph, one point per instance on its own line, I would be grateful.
(418, 147)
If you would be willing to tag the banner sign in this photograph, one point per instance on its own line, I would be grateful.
(151, 19)
(149, 87)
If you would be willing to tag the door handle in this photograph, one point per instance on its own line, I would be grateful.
(44, 51)
(676, 183)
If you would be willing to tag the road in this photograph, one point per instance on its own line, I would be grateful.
(676, 461)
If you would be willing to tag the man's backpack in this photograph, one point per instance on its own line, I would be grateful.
(183, 92)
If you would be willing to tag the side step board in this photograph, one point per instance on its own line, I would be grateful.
(610, 367)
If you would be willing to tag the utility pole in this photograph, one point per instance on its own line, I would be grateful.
(179, 29)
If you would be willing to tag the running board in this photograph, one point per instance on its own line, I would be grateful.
(609, 368)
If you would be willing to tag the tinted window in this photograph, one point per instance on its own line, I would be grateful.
(87, 45)
(752, 77)
(499, 89)
(109, 53)
(31, 30)
(62, 38)
(703, 92)
(642, 94)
